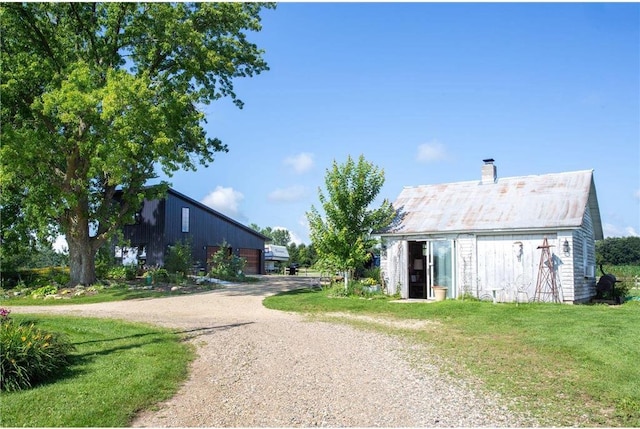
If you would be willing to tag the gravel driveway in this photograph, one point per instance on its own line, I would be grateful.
(257, 367)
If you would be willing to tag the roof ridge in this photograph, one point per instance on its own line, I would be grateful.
(499, 179)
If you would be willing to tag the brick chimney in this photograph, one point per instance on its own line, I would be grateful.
(489, 172)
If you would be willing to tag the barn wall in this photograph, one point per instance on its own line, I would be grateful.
(486, 262)
(207, 229)
(393, 266)
(584, 260)
(467, 272)
(148, 231)
(159, 225)
(499, 267)
(504, 264)
(566, 266)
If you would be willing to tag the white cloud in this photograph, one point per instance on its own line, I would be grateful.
(432, 151)
(287, 195)
(631, 232)
(637, 195)
(225, 200)
(300, 163)
(611, 230)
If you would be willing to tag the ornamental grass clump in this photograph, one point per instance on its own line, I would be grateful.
(28, 354)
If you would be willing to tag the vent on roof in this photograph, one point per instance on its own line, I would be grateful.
(489, 171)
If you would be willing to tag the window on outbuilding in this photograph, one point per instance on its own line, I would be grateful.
(185, 219)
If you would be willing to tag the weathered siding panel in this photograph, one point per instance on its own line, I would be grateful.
(584, 261)
(566, 266)
(504, 264)
(509, 263)
(466, 264)
(395, 268)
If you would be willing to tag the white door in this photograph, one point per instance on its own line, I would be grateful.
(441, 272)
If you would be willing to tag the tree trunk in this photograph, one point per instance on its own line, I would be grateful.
(82, 261)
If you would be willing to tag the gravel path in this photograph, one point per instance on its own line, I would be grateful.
(263, 368)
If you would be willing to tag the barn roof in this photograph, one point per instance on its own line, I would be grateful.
(542, 202)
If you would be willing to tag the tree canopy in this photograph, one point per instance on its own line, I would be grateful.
(342, 237)
(97, 96)
(279, 236)
(618, 250)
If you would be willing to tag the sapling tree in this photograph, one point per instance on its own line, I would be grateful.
(98, 97)
(342, 235)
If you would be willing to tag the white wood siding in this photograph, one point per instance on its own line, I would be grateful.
(502, 266)
(394, 267)
(584, 250)
(566, 266)
(487, 262)
(466, 266)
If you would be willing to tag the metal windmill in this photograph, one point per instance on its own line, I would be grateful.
(546, 287)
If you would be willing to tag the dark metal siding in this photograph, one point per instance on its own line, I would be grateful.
(161, 226)
(148, 232)
(206, 228)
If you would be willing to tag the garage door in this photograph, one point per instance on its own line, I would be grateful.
(252, 256)
(253, 260)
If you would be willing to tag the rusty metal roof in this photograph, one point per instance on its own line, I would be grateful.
(543, 202)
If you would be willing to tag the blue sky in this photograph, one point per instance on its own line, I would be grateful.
(426, 91)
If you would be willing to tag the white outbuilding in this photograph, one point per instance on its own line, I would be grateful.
(527, 238)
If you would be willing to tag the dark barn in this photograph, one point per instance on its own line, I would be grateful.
(178, 218)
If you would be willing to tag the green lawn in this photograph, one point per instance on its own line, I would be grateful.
(570, 365)
(118, 369)
(117, 292)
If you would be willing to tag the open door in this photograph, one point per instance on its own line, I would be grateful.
(431, 264)
(441, 273)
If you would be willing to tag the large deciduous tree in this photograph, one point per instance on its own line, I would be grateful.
(97, 96)
(342, 236)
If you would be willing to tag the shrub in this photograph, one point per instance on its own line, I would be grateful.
(158, 275)
(44, 291)
(122, 272)
(29, 355)
(357, 288)
(179, 259)
(177, 278)
(105, 260)
(226, 266)
(35, 276)
(373, 273)
(116, 273)
(368, 281)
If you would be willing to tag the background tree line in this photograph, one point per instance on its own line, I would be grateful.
(618, 251)
(302, 254)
